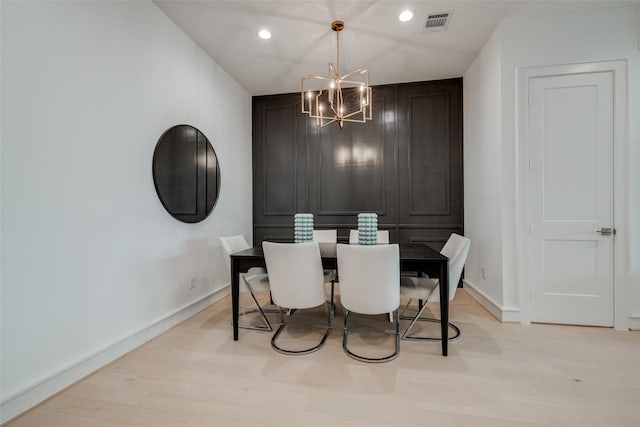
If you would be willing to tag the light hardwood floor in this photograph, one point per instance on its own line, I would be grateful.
(496, 375)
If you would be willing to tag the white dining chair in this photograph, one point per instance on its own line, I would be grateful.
(328, 237)
(426, 289)
(254, 280)
(297, 282)
(383, 237)
(327, 240)
(369, 285)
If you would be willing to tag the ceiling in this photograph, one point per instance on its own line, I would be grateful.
(302, 42)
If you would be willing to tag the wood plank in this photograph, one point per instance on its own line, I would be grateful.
(496, 375)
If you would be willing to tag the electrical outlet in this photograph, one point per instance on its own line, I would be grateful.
(192, 282)
(483, 276)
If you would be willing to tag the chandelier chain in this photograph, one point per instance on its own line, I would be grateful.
(338, 53)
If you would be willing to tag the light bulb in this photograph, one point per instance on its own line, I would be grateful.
(406, 15)
(264, 34)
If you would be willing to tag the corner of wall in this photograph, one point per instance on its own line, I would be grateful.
(503, 314)
(482, 168)
(638, 23)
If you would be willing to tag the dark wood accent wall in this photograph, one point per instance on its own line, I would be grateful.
(405, 165)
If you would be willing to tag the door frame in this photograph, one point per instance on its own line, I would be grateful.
(621, 316)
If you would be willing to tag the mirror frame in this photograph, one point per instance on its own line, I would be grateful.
(186, 173)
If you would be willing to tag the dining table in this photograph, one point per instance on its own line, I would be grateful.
(416, 258)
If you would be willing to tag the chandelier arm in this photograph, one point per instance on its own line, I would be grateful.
(316, 76)
(323, 124)
(355, 113)
(353, 82)
(358, 71)
(340, 103)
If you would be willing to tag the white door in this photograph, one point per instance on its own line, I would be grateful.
(571, 154)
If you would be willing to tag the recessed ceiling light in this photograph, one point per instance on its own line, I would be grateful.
(406, 15)
(264, 34)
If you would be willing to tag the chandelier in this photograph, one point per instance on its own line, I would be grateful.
(337, 98)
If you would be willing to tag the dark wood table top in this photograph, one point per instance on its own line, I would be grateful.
(408, 253)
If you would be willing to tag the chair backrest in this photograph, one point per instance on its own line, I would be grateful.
(295, 274)
(383, 237)
(369, 278)
(327, 240)
(232, 244)
(325, 236)
(456, 249)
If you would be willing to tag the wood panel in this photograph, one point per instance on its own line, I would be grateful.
(279, 150)
(279, 153)
(430, 148)
(405, 165)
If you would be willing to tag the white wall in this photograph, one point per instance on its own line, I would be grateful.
(482, 171)
(89, 256)
(594, 35)
(634, 182)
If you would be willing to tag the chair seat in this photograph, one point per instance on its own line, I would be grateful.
(297, 282)
(258, 282)
(369, 285)
(418, 287)
(427, 289)
(256, 270)
(257, 278)
(329, 275)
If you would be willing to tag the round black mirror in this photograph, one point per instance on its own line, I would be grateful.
(186, 173)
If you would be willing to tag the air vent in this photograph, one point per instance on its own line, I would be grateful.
(438, 21)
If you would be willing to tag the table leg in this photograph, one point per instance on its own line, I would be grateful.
(444, 305)
(235, 295)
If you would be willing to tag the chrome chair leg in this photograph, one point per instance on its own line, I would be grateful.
(406, 336)
(361, 358)
(333, 304)
(266, 326)
(315, 348)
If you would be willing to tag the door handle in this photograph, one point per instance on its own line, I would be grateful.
(606, 231)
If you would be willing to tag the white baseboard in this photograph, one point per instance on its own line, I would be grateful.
(632, 323)
(19, 402)
(503, 314)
